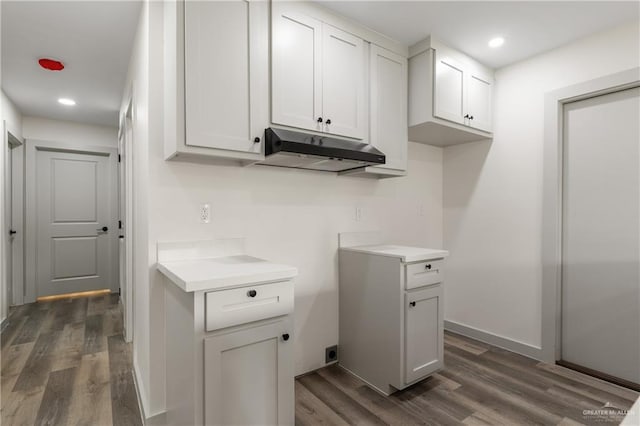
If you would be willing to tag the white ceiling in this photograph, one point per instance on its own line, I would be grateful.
(94, 40)
(529, 27)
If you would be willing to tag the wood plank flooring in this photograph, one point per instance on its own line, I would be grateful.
(480, 385)
(66, 362)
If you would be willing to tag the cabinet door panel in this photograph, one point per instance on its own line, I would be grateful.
(343, 80)
(424, 323)
(479, 90)
(249, 376)
(449, 89)
(388, 123)
(296, 71)
(226, 57)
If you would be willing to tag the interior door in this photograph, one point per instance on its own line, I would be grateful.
(74, 224)
(479, 101)
(226, 73)
(343, 82)
(389, 106)
(296, 79)
(449, 88)
(424, 320)
(601, 235)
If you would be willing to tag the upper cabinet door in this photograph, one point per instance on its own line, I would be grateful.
(448, 102)
(226, 74)
(296, 65)
(479, 88)
(343, 83)
(388, 83)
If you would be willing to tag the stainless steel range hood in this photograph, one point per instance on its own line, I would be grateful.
(286, 148)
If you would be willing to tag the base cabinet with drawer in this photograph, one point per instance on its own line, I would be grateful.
(230, 355)
(391, 314)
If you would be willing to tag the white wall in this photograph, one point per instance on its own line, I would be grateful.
(12, 116)
(493, 190)
(69, 132)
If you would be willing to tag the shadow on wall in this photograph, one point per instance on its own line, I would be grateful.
(462, 167)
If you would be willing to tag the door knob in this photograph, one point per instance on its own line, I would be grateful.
(12, 232)
(412, 304)
(256, 140)
(252, 293)
(285, 337)
(103, 229)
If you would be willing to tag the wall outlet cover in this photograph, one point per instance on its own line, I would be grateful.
(331, 354)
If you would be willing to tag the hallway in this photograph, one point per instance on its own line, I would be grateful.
(66, 362)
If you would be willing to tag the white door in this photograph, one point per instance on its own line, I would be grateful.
(226, 74)
(423, 332)
(75, 227)
(449, 87)
(601, 235)
(479, 88)
(296, 55)
(388, 123)
(343, 83)
(249, 376)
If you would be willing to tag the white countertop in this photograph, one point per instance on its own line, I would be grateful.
(633, 416)
(404, 253)
(223, 272)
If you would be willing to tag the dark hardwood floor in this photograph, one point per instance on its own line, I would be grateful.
(65, 362)
(480, 385)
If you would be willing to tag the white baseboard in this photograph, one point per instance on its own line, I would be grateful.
(495, 340)
(148, 418)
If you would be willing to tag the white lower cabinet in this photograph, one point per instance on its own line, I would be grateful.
(423, 333)
(391, 314)
(248, 376)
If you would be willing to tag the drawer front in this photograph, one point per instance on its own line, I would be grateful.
(424, 273)
(242, 305)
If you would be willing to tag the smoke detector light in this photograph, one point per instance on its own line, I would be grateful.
(496, 42)
(67, 101)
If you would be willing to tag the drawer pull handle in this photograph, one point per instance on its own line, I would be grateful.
(412, 304)
(285, 337)
(252, 293)
(427, 266)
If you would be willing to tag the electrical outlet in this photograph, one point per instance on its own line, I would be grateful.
(358, 216)
(331, 354)
(205, 213)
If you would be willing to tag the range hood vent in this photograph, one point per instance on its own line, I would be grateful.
(286, 148)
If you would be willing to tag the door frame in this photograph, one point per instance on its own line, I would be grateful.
(125, 142)
(32, 146)
(552, 213)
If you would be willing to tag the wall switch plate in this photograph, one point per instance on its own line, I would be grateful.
(331, 354)
(205, 213)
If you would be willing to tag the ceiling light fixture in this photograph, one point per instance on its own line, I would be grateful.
(67, 101)
(496, 42)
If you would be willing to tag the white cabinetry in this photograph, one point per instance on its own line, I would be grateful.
(229, 335)
(217, 78)
(391, 313)
(318, 76)
(449, 96)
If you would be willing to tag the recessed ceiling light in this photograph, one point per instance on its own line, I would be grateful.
(496, 42)
(67, 101)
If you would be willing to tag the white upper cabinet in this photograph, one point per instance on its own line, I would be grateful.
(318, 76)
(388, 82)
(297, 69)
(217, 89)
(449, 96)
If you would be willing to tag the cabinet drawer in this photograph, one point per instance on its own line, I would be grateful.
(242, 305)
(424, 273)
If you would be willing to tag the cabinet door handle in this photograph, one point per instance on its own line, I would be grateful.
(252, 293)
(412, 304)
(319, 119)
(427, 266)
(285, 336)
(471, 117)
(328, 122)
(256, 140)
(466, 116)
